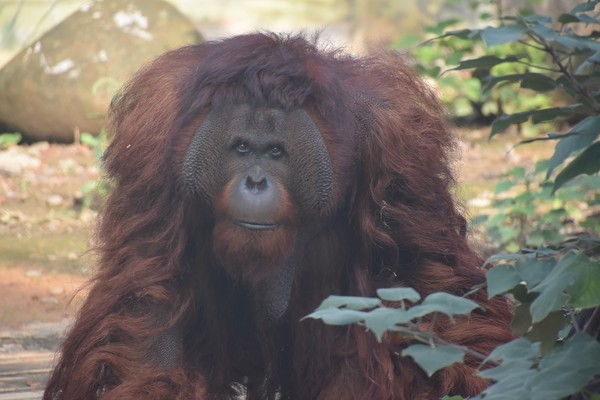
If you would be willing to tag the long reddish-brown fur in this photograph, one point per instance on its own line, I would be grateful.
(392, 222)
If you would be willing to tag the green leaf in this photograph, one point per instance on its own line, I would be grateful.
(407, 41)
(501, 279)
(543, 32)
(441, 26)
(550, 289)
(521, 294)
(517, 172)
(521, 321)
(484, 62)
(490, 81)
(512, 380)
(579, 136)
(503, 122)
(584, 6)
(567, 369)
(549, 114)
(588, 67)
(455, 57)
(337, 316)
(567, 146)
(585, 291)
(89, 140)
(586, 19)
(507, 257)
(88, 187)
(351, 302)
(479, 219)
(562, 372)
(518, 349)
(445, 303)
(567, 18)
(546, 331)
(470, 34)
(538, 82)
(9, 139)
(503, 186)
(577, 43)
(514, 372)
(588, 162)
(534, 270)
(594, 58)
(399, 294)
(537, 19)
(504, 34)
(544, 386)
(432, 359)
(385, 319)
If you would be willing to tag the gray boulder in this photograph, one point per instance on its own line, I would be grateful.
(63, 83)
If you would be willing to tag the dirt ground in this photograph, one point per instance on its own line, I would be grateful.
(46, 227)
(44, 232)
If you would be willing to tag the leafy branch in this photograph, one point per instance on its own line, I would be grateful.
(434, 352)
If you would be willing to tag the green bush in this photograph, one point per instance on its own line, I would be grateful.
(94, 192)
(9, 139)
(466, 93)
(525, 213)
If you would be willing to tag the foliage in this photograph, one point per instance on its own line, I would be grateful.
(97, 144)
(554, 278)
(95, 191)
(526, 368)
(434, 353)
(9, 139)
(574, 56)
(526, 213)
(465, 92)
(526, 374)
(555, 356)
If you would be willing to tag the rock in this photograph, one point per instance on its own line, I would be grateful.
(33, 273)
(36, 149)
(49, 299)
(57, 290)
(68, 166)
(54, 200)
(5, 217)
(62, 84)
(13, 162)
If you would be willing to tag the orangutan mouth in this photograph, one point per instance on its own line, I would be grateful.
(255, 226)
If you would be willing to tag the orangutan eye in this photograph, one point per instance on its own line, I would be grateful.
(242, 148)
(275, 151)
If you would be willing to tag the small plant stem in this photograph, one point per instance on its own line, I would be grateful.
(565, 71)
(413, 330)
(537, 66)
